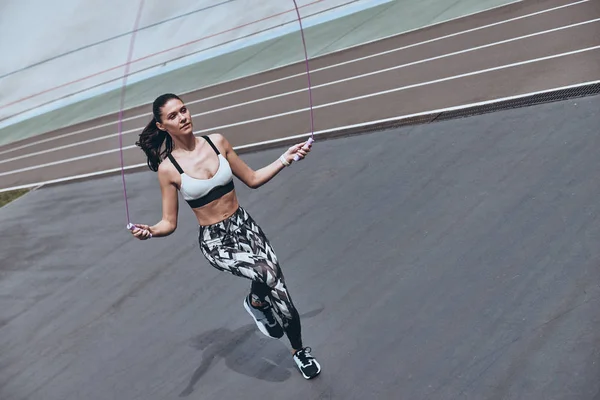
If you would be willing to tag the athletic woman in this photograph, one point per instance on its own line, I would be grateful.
(202, 170)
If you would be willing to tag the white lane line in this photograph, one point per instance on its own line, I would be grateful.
(343, 49)
(66, 146)
(450, 78)
(410, 64)
(483, 71)
(420, 28)
(316, 86)
(321, 132)
(64, 135)
(354, 60)
(302, 74)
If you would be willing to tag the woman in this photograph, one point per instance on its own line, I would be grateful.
(202, 170)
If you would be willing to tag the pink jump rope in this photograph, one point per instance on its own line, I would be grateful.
(310, 140)
(312, 119)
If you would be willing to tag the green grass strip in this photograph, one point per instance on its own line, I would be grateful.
(7, 197)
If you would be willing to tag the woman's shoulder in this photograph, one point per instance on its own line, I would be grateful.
(216, 137)
(220, 141)
(166, 169)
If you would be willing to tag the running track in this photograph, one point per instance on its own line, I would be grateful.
(511, 51)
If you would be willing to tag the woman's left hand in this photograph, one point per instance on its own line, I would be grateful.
(300, 149)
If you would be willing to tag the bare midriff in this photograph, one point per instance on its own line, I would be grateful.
(217, 210)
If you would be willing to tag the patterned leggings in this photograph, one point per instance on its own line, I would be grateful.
(239, 246)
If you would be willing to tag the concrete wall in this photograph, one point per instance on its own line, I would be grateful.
(71, 46)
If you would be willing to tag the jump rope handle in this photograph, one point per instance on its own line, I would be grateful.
(309, 142)
(130, 226)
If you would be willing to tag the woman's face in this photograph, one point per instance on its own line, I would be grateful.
(176, 118)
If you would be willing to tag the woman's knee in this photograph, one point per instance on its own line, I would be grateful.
(271, 275)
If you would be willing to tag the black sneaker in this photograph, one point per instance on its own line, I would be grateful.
(264, 318)
(306, 363)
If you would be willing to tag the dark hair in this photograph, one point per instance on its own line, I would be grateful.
(152, 139)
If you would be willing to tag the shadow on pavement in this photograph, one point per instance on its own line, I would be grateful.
(245, 351)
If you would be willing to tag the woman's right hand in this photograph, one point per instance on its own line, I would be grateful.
(141, 231)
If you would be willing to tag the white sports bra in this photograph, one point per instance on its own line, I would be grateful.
(199, 192)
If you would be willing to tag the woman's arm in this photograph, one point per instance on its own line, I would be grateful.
(170, 209)
(255, 179)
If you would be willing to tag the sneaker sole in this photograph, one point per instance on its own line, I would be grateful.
(258, 324)
(315, 375)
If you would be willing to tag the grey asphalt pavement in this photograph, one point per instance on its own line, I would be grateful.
(457, 260)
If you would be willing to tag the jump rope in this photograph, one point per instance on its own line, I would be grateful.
(310, 140)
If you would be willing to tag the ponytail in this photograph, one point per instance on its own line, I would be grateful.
(151, 141)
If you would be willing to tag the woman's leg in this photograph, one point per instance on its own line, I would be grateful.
(239, 246)
(276, 291)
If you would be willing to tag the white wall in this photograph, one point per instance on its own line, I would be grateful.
(35, 30)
